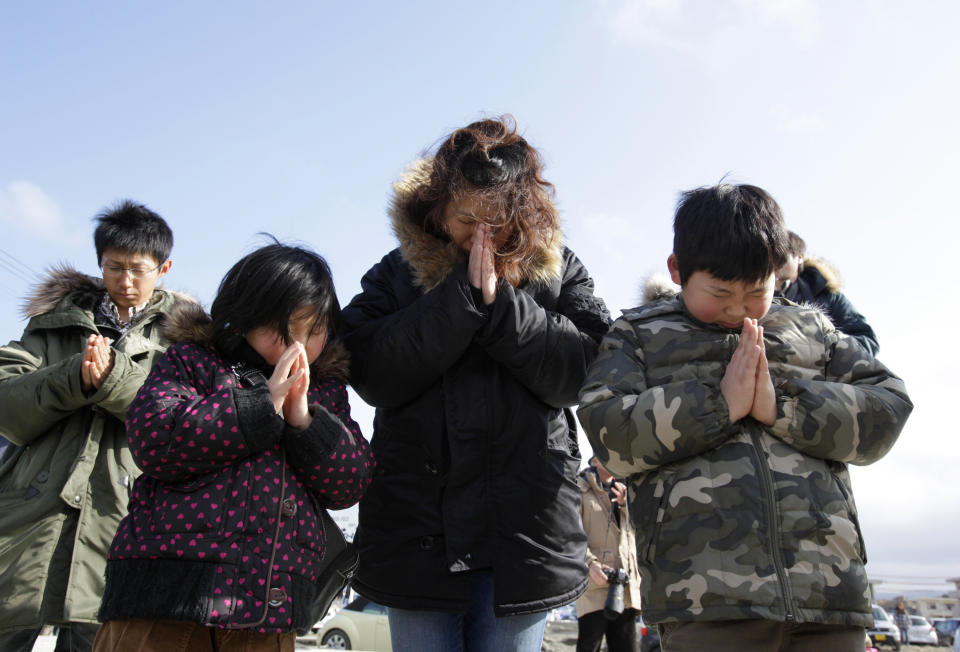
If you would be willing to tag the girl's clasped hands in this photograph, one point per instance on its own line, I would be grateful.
(289, 384)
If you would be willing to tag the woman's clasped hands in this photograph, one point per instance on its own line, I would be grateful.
(481, 271)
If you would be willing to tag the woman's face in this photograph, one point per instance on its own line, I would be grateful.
(461, 216)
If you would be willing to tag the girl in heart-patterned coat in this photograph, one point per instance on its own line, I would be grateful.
(223, 532)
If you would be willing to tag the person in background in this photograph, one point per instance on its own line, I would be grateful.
(901, 618)
(733, 419)
(64, 390)
(611, 547)
(471, 340)
(807, 280)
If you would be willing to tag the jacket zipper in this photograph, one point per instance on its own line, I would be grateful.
(273, 548)
(773, 533)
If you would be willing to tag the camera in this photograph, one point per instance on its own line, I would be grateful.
(613, 607)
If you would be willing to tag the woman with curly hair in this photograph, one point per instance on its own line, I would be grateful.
(472, 339)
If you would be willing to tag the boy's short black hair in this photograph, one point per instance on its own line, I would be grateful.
(132, 227)
(733, 232)
(266, 287)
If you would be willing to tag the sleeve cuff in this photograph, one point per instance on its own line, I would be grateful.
(259, 422)
(319, 439)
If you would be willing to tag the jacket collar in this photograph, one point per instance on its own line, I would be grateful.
(432, 258)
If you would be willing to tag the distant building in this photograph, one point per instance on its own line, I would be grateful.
(944, 607)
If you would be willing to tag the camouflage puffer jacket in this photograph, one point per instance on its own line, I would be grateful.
(740, 520)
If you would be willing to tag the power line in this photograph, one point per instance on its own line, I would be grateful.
(17, 267)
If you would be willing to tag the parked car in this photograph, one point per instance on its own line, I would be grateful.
(648, 635)
(956, 643)
(361, 625)
(921, 632)
(884, 633)
(946, 629)
(568, 612)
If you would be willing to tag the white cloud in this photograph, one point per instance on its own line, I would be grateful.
(655, 22)
(801, 18)
(26, 207)
(706, 29)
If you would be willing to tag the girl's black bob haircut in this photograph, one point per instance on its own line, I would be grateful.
(733, 232)
(267, 287)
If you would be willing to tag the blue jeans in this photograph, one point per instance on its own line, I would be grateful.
(477, 630)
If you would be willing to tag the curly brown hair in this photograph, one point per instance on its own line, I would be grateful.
(489, 159)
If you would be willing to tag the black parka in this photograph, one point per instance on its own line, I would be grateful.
(476, 450)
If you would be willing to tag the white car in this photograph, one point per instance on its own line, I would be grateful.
(921, 632)
(883, 633)
(361, 625)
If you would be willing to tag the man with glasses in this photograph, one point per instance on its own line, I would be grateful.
(64, 391)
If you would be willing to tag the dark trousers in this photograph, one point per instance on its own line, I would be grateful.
(621, 633)
(759, 636)
(76, 638)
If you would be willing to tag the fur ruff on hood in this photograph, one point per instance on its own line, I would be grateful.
(657, 287)
(191, 323)
(432, 258)
(63, 279)
(827, 271)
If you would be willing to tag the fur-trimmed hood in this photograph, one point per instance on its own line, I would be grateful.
(62, 279)
(433, 258)
(827, 271)
(191, 323)
(657, 287)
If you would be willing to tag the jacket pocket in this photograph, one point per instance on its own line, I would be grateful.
(661, 495)
(843, 488)
(208, 504)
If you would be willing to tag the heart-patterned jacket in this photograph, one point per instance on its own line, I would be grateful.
(224, 525)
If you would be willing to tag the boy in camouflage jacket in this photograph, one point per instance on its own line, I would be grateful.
(734, 418)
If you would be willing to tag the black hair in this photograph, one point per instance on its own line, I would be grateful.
(796, 245)
(266, 287)
(733, 232)
(132, 227)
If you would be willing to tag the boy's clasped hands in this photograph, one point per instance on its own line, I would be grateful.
(746, 385)
(97, 362)
(289, 384)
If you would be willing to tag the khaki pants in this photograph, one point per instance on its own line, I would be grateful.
(760, 636)
(179, 636)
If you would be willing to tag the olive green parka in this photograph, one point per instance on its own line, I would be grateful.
(64, 484)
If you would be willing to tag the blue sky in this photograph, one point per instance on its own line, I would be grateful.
(295, 117)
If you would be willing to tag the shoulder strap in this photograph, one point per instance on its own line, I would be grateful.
(248, 375)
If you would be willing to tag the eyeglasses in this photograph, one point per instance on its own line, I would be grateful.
(117, 271)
